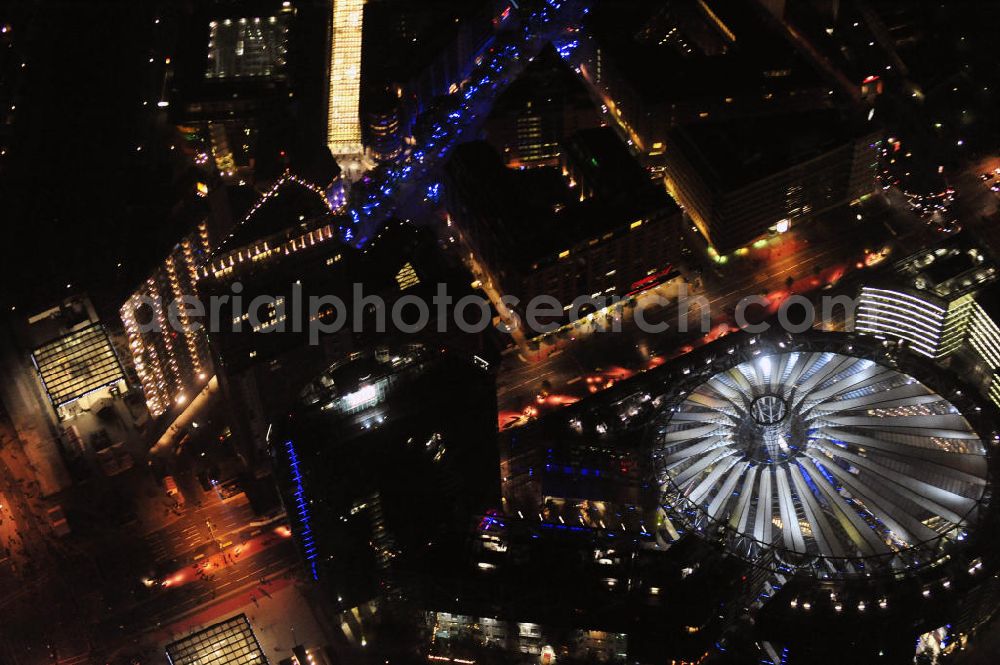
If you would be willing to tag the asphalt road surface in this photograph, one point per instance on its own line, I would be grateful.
(833, 245)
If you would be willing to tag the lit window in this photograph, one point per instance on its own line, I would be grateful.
(407, 277)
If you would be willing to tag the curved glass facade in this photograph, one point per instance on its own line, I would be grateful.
(900, 315)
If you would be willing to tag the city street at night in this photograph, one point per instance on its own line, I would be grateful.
(499, 332)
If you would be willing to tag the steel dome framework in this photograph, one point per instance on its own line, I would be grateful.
(820, 461)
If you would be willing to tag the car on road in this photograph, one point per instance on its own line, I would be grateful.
(948, 227)
(57, 520)
(514, 421)
(229, 490)
(170, 485)
(874, 258)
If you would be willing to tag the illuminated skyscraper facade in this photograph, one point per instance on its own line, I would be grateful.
(928, 302)
(929, 325)
(248, 47)
(170, 352)
(734, 198)
(943, 304)
(170, 363)
(984, 338)
(344, 126)
(385, 136)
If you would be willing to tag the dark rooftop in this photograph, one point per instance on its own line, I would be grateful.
(543, 187)
(950, 268)
(609, 166)
(737, 152)
(418, 435)
(401, 38)
(287, 205)
(546, 79)
(676, 51)
(536, 211)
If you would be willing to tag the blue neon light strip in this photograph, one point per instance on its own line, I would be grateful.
(302, 510)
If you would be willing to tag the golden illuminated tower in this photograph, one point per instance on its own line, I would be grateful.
(344, 126)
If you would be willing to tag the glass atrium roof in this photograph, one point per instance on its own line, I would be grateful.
(826, 462)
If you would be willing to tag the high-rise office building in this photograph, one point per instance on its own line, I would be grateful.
(927, 301)
(984, 342)
(373, 477)
(595, 226)
(738, 179)
(931, 327)
(343, 124)
(655, 66)
(247, 47)
(171, 357)
(169, 362)
(385, 135)
(262, 362)
(230, 94)
(540, 110)
(941, 303)
(984, 336)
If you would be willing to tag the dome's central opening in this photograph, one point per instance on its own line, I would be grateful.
(768, 410)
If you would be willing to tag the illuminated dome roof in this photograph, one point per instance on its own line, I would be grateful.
(821, 462)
